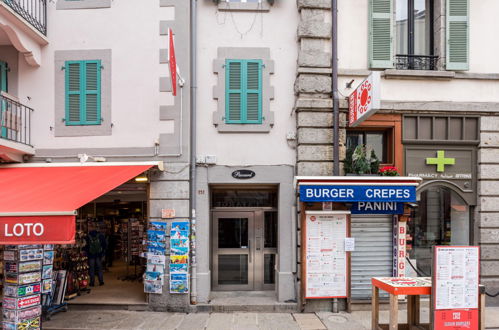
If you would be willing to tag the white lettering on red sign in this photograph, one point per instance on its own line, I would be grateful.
(24, 229)
(401, 247)
(365, 100)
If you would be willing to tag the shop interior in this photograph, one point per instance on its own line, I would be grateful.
(120, 216)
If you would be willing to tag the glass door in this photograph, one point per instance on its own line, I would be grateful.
(233, 250)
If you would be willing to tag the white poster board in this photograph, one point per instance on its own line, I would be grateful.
(326, 263)
(456, 277)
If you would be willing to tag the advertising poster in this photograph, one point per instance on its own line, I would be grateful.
(153, 287)
(456, 293)
(326, 273)
(48, 257)
(179, 283)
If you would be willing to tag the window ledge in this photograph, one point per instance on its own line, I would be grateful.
(244, 6)
(418, 74)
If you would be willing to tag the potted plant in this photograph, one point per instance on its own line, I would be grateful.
(361, 161)
(388, 171)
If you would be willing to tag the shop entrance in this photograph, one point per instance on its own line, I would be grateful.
(244, 240)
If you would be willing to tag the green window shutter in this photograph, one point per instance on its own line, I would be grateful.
(457, 35)
(243, 92)
(83, 92)
(253, 92)
(233, 91)
(92, 108)
(73, 92)
(3, 77)
(380, 34)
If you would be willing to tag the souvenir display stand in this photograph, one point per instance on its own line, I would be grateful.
(23, 273)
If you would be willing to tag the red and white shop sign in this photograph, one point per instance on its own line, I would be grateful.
(58, 229)
(401, 248)
(456, 319)
(28, 301)
(365, 100)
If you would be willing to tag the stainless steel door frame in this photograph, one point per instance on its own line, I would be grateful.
(247, 250)
(256, 250)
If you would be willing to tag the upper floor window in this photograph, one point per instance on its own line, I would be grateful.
(83, 92)
(414, 35)
(418, 41)
(243, 92)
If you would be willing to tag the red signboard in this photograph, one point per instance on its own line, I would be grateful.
(172, 62)
(456, 319)
(28, 301)
(58, 229)
(365, 100)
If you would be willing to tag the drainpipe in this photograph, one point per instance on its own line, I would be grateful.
(336, 102)
(192, 190)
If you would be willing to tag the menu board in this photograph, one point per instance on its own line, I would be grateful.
(456, 277)
(325, 257)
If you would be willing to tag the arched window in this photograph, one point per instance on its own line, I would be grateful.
(441, 218)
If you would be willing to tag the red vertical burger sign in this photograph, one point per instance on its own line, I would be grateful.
(365, 100)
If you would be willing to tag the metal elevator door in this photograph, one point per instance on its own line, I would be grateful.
(373, 255)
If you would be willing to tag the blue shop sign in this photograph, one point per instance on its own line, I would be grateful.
(377, 208)
(337, 193)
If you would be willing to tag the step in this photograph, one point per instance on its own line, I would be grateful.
(125, 307)
(228, 308)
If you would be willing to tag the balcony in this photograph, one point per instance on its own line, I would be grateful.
(416, 62)
(23, 25)
(15, 129)
(34, 12)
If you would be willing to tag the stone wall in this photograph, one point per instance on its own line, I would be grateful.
(487, 213)
(169, 190)
(314, 113)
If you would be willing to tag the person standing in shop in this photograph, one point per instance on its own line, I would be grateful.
(95, 249)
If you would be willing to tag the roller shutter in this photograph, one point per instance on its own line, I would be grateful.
(373, 252)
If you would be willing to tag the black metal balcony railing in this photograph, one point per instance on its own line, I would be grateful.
(33, 11)
(15, 120)
(416, 62)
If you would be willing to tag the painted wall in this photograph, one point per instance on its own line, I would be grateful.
(353, 55)
(132, 32)
(275, 29)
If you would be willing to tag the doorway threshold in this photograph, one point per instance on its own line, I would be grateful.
(245, 301)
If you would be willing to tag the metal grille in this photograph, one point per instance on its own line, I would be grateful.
(33, 11)
(15, 120)
(416, 62)
(373, 252)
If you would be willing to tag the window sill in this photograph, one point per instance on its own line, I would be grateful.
(419, 74)
(82, 4)
(244, 6)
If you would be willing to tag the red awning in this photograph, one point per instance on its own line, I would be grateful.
(33, 193)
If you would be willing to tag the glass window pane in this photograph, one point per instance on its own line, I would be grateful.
(354, 139)
(402, 27)
(233, 269)
(442, 218)
(270, 230)
(421, 28)
(269, 269)
(243, 198)
(232, 233)
(377, 141)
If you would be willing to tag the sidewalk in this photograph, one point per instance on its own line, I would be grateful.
(123, 320)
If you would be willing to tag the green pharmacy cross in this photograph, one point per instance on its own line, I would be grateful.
(440, 161)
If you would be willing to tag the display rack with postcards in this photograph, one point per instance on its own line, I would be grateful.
(156, 257)
(23, 267)
(53, 285)
(179, 257)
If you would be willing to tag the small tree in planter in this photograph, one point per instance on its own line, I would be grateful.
(361, 160)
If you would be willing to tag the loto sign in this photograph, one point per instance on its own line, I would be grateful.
(365, 100)
(37, 230)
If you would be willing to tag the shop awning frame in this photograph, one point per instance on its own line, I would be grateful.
(376, 180)
(62, 211)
